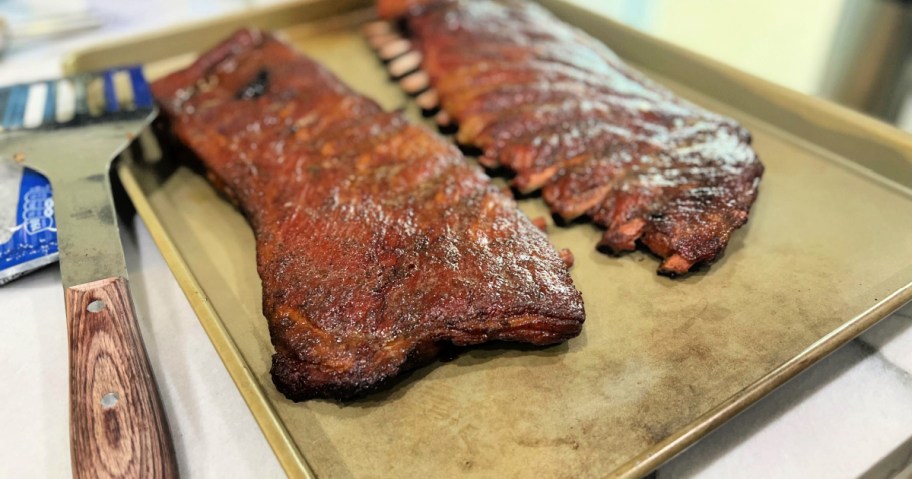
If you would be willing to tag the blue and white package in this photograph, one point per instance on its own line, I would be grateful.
(28, 232)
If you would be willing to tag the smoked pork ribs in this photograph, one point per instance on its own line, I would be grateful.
(376, 241)
(561, 110)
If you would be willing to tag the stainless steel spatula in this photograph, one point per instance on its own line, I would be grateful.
(70, 130)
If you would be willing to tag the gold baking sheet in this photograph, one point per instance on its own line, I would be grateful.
(660, 363)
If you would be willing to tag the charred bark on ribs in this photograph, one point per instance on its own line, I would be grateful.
(568, 117)
(376, 242)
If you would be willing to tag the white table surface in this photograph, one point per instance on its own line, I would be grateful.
(848, 416)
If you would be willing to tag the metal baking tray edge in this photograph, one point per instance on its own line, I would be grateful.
(290, 458)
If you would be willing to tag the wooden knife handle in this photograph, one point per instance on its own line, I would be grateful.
(117, 424)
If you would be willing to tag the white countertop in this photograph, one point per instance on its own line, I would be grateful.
(847, 416)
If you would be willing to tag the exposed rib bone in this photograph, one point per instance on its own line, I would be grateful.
(415, 83)
(428, 100)
(394, 49)
(443, 119)
(379, 41)
(405, 64)
(372, 29)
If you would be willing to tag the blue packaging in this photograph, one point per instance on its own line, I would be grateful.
(28, 232)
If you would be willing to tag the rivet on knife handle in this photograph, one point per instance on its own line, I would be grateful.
(116, 418)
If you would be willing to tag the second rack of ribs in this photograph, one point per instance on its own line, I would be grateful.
(568, 117)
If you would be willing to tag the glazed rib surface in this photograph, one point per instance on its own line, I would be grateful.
(376, 242)
(599, 139)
